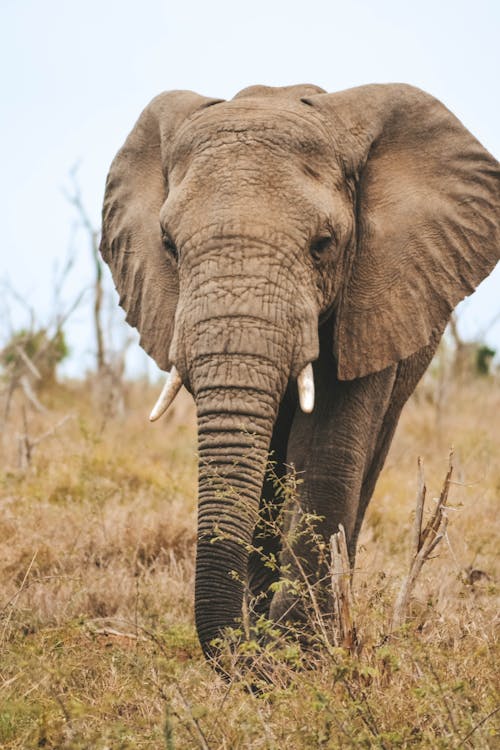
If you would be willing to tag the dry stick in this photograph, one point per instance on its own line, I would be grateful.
(30, 394)
(28, 362)
(168, 730)
(423, 542)
(26, 444)
(154, 638)
(476, 726)
(16, 597)
(9, 290)
(438, 516)
(419, 512)
(111, 632)
(23, 444)
(202, 739)
(11, 387)
(444, 697)
(345, 635)
(8, 682)
(368, 719)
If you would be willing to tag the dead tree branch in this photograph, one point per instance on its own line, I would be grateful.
(27, 444)
(28, 362)
(344, 627)
(423, 542)
(30, 394)
(75, 198)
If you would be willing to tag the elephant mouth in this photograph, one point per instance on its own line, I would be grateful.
(173, 384)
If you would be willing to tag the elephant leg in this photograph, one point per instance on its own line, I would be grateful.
(330, 450)
(408, 375)
(266, 541)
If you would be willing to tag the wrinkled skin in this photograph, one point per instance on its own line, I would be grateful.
(248, 238)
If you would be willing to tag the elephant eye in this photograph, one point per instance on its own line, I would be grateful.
(169, 245)
(320, 247)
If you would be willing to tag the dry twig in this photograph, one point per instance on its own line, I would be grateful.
(13, 602)
(112, 633)
(28, 362)
(345, 630)
(31, 395)
(423, 542)
(27, 444)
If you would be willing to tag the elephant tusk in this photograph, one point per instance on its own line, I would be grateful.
(169, 392)
(305, 384)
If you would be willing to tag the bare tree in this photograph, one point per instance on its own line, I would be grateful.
(471, 357)
(75, 198)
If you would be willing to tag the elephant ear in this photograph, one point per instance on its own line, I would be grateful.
(145, 275)
(428, 220)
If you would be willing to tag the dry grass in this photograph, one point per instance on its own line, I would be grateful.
(97, 643)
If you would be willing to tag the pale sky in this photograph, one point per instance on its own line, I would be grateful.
(75, 75)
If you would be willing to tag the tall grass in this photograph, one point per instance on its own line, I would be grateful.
(97, 641)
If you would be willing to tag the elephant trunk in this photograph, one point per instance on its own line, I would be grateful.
(234, 432)
(239, 337)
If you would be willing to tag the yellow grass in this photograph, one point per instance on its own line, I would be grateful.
(97, 641)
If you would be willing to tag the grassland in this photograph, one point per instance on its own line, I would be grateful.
(97, 641)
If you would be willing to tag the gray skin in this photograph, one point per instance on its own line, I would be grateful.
(250, 237)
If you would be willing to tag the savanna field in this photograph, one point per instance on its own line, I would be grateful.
(97, 541)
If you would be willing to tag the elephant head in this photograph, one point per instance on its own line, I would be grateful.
(237, 231)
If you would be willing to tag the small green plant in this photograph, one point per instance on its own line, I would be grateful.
(484, 358)
(35, 353)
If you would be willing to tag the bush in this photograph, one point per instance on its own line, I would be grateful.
(34, 353)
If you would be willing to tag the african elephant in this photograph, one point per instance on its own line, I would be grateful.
(287, 231)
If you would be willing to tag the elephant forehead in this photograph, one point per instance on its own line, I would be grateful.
(253, 123)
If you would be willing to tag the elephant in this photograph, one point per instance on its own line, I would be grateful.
(292, 257)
